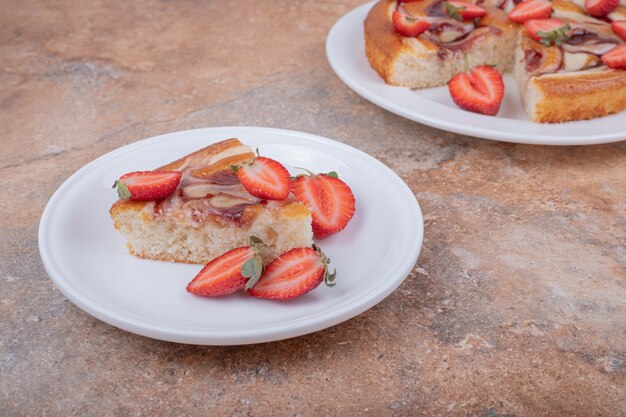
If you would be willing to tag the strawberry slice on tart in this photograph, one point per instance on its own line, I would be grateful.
(147, 185)
(616, 57)
(293, 274)
(407, 25)
(548, 31)
(599, 8)
(331, 201)
(619, 27)
(479, 90)
(530, 9)
(264, 178)
(461, 10)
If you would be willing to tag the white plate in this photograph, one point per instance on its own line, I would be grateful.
(88, 261)
(345, 50)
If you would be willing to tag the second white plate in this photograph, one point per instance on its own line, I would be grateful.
(345, 50)
(87, 259)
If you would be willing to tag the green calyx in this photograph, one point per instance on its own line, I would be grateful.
(253, 267)
(122, 189)
(556, 36)
(332, 174)
(452, 10)
(236, 168)
(329, 278)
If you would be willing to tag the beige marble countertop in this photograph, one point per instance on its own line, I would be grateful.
(517, 306)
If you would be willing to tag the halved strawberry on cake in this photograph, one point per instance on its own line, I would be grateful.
(425, 43)
(198, 207)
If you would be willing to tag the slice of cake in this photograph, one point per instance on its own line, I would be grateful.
(564, 78)
(210, 212)
(452, 40)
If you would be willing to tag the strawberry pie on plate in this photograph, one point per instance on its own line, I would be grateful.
(230, 235)
(533, 71)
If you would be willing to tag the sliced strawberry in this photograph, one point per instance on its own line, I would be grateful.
(530, 9)
(147, 185)
(619, 27)
(480, 90)
(616, 57)
(230, 272)
(292, 274)
(461, 10)
(264, 178)
(548, 31)
(330, 199)
(600, 8)
(407, 25)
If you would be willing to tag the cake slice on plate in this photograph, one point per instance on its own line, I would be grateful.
(425, 43)
(207, 211)
(560, 68)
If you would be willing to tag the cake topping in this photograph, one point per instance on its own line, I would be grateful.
(619, 27)
(548, 31)
(460, 10)
(600, 8)
(264, 178)
(530, 9)
(590, 39)
(579, 61)
(147, 185)
(616, 57)
(407, 25)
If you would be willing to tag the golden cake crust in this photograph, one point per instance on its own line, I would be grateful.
(382, 43)
(580, 96)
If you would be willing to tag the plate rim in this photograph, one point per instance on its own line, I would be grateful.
(224, 337)
(454, 127)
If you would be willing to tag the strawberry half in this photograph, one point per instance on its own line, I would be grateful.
(548, 31)
(292, 274)
(530, 9)
(264, 178)
(330, 199)
(147, 185)
(616, 57)
(480, 90)
(600, 8)
(407, 25)
(619, 27)
(230, 272)
(461, 10)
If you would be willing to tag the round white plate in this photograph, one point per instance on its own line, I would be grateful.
(88, 261)
(345, 50)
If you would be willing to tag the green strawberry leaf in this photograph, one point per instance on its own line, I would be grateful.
(329, 279)
(453, 11)
(556, 36)
(255, 240)
(252, 269)
(122, 190)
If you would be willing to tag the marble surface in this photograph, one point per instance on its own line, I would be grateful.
(517, 306)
